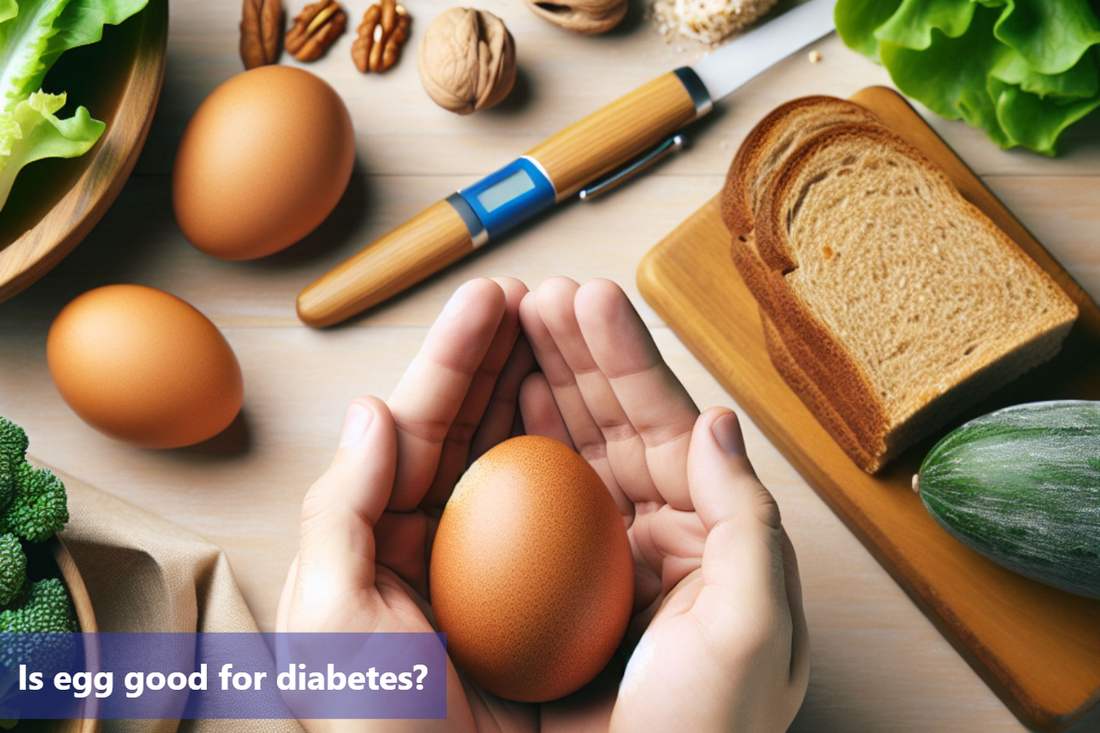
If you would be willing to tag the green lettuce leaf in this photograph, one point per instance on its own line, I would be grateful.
(1022, 70)
(32, 132)
(33, 34)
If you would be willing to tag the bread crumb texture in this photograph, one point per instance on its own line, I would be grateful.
(915, 283)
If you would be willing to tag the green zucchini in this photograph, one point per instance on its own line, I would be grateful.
(1022, 487)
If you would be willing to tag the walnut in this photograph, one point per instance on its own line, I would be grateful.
(383, 32)
(467, 60)
(261, 29)
(583, 16)
(315, 29)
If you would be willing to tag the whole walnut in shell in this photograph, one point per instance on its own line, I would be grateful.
(583, 16)
(467, 60)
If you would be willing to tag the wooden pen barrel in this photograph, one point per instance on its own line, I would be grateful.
(425, 244)
(437, 237)
(615, 134)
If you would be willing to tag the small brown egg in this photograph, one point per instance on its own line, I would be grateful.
(144, 367)
(262, 163)
(532, 577)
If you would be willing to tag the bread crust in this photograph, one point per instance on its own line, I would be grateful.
(818, 404)
(736, 197)
(842, 389)
(767, 285)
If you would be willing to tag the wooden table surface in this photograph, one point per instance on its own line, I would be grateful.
(878, 664)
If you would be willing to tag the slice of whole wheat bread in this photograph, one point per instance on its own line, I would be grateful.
(768, 146)
(760, 157)
(818, 404)
(893, 302)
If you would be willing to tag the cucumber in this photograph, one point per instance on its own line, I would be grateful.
(1022, 487)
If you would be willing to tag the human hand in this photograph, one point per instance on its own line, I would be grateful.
(725, 644)
(369, 521)
(605, 390)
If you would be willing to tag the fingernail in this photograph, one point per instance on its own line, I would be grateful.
(727, 431)
(356, 422)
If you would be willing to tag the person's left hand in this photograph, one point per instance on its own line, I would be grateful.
(722, 643)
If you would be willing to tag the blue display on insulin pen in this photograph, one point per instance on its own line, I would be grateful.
(510, 196)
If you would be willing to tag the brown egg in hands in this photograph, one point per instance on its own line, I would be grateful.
(532, 576)
(144, 367)
(262, 163)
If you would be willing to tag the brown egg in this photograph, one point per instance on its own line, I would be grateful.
(532, 577)
(145, 367)
(264, 160)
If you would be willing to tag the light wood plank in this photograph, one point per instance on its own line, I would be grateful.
(878, 664)
(563, 77)
(138, 241)
(1037, 647)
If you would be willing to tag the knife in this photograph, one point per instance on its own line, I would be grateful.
(613, 140)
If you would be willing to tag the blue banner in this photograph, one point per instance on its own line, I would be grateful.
(223, 676)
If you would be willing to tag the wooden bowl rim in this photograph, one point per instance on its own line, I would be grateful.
(85, 615)
(74, 581)
(76, 213)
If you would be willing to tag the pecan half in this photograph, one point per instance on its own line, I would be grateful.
(383, 32)
(315, 29)
(261, 27)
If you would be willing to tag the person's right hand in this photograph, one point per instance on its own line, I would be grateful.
(368, 523)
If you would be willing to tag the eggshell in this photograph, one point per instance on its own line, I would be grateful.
(145, 367)
(532, 577)
(265, 159)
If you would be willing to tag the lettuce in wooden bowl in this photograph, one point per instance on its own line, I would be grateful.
(33, 34)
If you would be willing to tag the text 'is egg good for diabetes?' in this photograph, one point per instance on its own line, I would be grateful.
(532, 577)
(144, 367)
(262, 163)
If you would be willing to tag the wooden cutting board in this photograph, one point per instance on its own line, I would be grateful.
(1037, 647)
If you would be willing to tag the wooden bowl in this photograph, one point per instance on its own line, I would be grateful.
(82, 602)
(41, 562)
(56, 202)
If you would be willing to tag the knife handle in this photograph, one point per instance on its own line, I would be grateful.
(433, 239)
(621, 130)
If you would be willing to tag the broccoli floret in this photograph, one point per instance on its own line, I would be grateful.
(42, 607)
(44, 612)
(33, 506)
(7, 478)
(13, 441)
(13, 454)
(39, 507)
(32, 500)
(13, 568)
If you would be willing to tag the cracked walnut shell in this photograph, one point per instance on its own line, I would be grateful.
(583, 16)
(467, 60)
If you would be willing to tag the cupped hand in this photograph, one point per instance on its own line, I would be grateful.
(717, 607)
(721, 636)
(368, 522)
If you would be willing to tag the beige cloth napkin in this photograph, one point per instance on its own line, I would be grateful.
(144, 573)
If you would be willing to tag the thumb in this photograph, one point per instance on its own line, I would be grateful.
(337, 548)
(743, 559)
